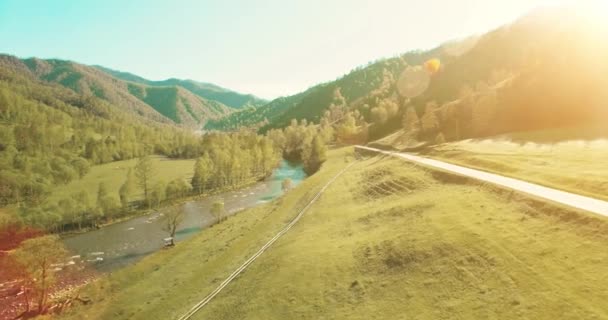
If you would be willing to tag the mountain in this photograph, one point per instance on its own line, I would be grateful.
(544, 70)
(170, 103)
(204, 90)
(50, 134)
(312, 103)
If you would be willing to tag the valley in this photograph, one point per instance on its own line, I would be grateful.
(469, 255)
(395, 172)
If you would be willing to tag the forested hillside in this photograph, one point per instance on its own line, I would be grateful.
(204, 90)
(166, 103)
(544, 70)
(51, 135)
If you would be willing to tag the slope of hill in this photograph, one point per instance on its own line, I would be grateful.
(51, 135)
(80, 79)
(179, 104)
(312, 103)
(204, 90)
(543, 71)
(377, 244)
(166, 104)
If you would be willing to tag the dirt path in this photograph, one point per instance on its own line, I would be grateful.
(570, 199)
(246, 264)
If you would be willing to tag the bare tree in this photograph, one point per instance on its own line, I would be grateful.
(36, 256)
(172, 218)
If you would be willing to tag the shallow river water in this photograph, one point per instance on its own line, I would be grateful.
(123, 243)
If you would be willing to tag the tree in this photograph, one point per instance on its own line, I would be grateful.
(315, 155)
(158, 194)
(379, 115)
(286, 185)
(177, 188)
(83, 207)
(202, 171)
(172, 218)
(217, 210)
(105, 202)
(144, 171)
(36, 256)
(410, 122)
(128, 189)
(429, 121)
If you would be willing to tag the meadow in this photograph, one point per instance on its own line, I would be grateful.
(576, 164)
(114, 174)
(387, 240)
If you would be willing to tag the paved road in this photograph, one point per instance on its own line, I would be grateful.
(570, 199)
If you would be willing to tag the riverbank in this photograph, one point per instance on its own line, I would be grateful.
(122, 243)
(386, 240)
(171, 277)
(174, 202)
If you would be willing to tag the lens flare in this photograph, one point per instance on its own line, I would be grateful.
(413, 82)
(432, 65)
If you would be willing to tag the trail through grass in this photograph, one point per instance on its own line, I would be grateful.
(388, 240)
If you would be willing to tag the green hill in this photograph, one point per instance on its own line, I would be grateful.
(168, 103)
(376, 245)
(178, 104)
(207, 91)
(50, 134)
(543, 71)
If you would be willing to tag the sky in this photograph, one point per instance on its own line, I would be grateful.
(268, 48)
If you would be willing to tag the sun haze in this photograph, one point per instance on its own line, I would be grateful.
(232, 43)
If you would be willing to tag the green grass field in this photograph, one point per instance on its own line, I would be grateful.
(114, 174)
(388, 240)
(575, 164)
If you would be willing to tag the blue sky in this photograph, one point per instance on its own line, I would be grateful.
(267, 47)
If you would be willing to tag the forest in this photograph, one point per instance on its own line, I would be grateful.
(528, 75)
(51, 135)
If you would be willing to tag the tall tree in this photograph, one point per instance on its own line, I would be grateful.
(144, 172)
(314, 155)
(158, 194)
(106, 204)
(128, 190)
(202, 171)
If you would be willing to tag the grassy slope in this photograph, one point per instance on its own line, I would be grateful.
(576, 164)
(166, 284)
(114, 174)
(434, 247)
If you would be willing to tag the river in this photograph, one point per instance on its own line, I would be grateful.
(124, 243)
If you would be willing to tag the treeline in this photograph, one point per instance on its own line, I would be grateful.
(228, 161)
(50, 136)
